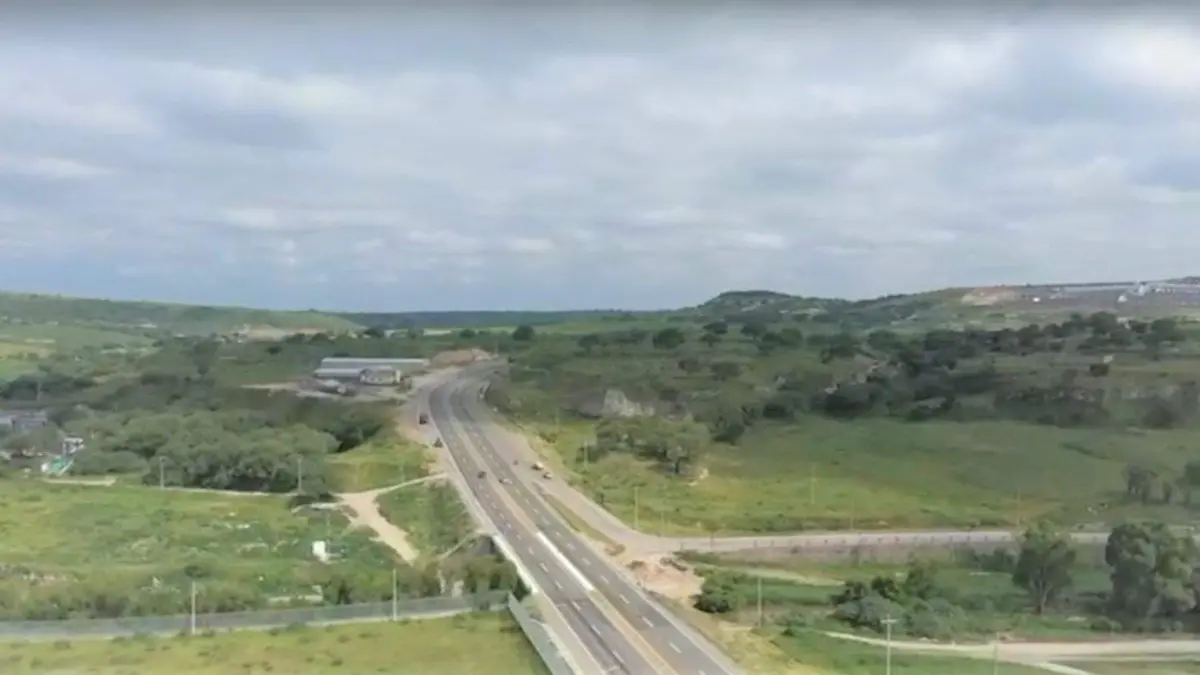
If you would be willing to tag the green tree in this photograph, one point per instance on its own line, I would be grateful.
(588, 342)
(523, 333)
(204, 356)
(1151, 571)
(754, 329)
(1044, 565)
(1190, 480)
(668, 338)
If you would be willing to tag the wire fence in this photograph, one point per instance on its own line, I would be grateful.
(271, 618)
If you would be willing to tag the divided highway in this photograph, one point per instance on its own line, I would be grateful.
(635, 636)
(569, 594)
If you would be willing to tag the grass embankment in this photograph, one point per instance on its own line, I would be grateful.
(768, 651)
(389, 460)
(1189, 666)
(431, 513)
(433, 647)
(797, 611)
(84, 540)
(880, 474)
(831, 656)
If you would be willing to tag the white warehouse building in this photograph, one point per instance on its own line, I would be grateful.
(370, 371)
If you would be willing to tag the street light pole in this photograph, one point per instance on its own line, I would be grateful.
(299, 475)
(888, 649)
(996, 656)
(636, 505)
(395, 612)
(760, 606)
(192, 618)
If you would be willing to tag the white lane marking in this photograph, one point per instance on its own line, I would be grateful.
(647, 622)
(677, 650)
(623, 598)
(562, 560)
(530, 549)
(556, 584)
(603, 578)
(587, 562)
(570, 546)
(543, 566)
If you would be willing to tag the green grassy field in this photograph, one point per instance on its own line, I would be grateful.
(881, 474)
(482, 644)
(1190, 666)
(377, 464)
(841, 657)
(430, 513)
(90, 537)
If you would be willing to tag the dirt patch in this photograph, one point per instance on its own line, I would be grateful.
(983, 297)
(664, 575)
(362, 511)
(459, 357)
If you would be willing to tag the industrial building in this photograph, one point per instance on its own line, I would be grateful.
(19, 421)
(368, 371)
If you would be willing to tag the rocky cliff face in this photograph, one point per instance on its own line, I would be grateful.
(611, 403)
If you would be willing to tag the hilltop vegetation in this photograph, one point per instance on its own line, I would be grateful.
(723, 424)
(154, 317)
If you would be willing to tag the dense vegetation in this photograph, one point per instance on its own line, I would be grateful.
(187, 427)
(180, 416)
(485, 319)
(1142, 581)
(775, 399)
(23, 308)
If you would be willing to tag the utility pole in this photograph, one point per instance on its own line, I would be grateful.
(812, 485)
(395, 612)
(1018, 508)
(192, 621)
(996, 656)
(162, 481)
(888, 650)
(299, 475)
(636, 504)
(760, 606)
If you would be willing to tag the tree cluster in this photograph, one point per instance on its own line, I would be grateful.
(677, 445)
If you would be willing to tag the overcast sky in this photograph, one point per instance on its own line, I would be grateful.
(527, 160)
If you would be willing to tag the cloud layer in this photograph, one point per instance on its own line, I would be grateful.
(397, 161)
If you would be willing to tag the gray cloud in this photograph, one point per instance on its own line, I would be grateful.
(413, 161)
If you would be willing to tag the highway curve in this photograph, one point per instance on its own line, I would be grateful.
(614, 618)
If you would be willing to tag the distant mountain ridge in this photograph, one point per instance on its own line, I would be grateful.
(1179, 295)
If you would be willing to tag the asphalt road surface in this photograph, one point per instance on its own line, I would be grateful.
(573, 576)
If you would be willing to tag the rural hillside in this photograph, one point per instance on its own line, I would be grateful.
(1064, 405)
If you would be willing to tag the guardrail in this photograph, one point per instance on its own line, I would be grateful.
(539, 636)
(270, 618)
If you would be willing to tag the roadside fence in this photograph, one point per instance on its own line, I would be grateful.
(416, 608)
